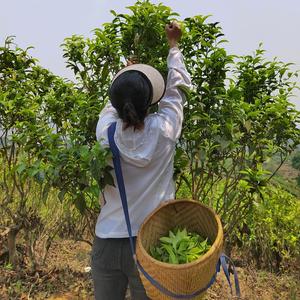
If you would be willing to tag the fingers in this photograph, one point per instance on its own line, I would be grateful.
(173, 33)
(172, 25)
(132, 59)
(131, 62)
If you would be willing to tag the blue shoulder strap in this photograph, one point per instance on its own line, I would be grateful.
(223, 261)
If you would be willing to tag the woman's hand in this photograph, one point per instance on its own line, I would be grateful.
(132, 60)
(173, 33)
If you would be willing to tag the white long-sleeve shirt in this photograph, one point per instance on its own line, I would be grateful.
(146, 156)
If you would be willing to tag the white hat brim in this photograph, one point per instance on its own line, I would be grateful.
(154, 76)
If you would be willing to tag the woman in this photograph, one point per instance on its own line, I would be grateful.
(147, 144)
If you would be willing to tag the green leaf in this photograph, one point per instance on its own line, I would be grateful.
(61, 195)
(21, 167)
(45, 193)
(166, 240)
(113, 12)
(80, 203)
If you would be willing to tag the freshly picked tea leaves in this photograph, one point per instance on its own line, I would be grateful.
(180, 247)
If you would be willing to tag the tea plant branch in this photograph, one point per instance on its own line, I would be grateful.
(230, 185)
(5, 208)
(243, 213)
(233, 217)
(193, 177)
(230, 188)
(282, 160)
(202, 182)
(9, 192)
(49, 241)
(187, 182)
(212, 184)
(10, 156)
(178, 184)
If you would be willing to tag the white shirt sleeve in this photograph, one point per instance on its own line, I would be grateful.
(170, 107)
(107, 116)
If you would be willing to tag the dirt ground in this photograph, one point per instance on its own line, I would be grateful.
(66, 278)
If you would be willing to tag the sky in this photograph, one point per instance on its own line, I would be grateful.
(246, 23)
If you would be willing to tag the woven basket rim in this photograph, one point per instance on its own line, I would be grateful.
(214, 247)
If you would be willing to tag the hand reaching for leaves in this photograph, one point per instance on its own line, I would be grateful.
(174, 33)
(132, 60)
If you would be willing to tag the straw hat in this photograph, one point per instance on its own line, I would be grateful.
(155, 78)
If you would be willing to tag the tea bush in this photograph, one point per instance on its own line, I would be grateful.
(271, 231)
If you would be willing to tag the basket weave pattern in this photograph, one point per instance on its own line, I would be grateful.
(183, 278)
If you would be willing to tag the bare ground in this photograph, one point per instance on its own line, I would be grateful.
(65, 278)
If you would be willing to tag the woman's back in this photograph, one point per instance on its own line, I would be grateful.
(146, 156)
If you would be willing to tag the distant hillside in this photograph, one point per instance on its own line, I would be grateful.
(286, 175)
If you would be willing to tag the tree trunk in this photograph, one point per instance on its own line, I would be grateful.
(11, 243)
(30, 249)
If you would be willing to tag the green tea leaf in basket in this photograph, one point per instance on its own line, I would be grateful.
(180, 247)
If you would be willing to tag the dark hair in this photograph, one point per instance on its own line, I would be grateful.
(130, 94)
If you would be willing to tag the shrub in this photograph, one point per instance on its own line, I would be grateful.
(272, 230)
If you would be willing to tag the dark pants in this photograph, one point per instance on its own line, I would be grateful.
(113, 269)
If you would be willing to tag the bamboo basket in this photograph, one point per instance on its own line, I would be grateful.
(184, 278)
